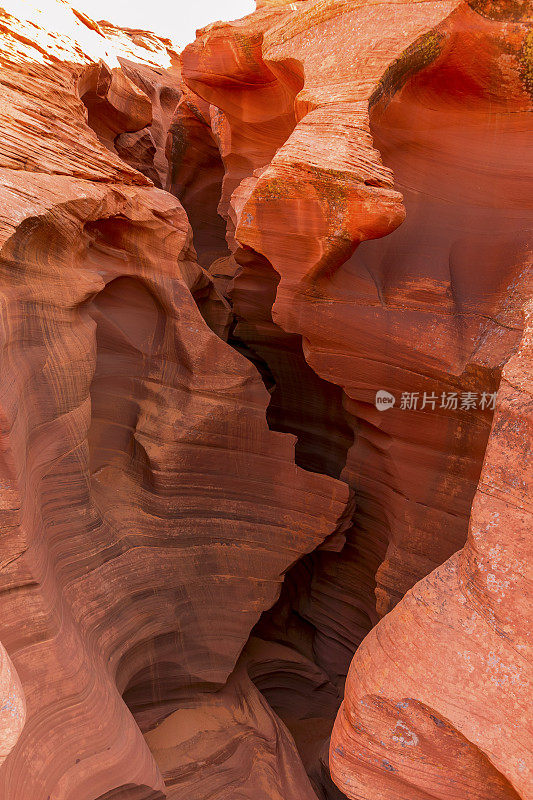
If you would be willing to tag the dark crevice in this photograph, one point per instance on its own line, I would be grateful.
(259, 363)
(312, 409)
(196, 174)
(302, 403)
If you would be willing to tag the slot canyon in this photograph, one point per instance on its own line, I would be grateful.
(266, 403)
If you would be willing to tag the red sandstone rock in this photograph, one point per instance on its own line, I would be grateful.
(149, 514)
(430, 100)
(138, 150)
(445, 713)
(307, 211)
(162, 87)
(231, 743)
(319, 180)
(114, 104)
(196, 174)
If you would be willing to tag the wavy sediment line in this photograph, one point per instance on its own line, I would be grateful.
(126, 591)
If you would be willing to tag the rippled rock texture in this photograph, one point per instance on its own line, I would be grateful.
(209, 265)
(148, 512)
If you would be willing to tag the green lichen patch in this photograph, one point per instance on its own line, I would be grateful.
(271, 190)
(525, 59)
(414, 58)
(503, 10)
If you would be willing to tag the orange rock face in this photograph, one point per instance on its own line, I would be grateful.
(326, 190)
(210, 266)
(446, 712)
(373, 245)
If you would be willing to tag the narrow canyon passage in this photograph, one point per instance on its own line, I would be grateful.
(414, 486)
(225, 570)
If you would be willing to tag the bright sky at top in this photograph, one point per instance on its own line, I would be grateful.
(177, 19)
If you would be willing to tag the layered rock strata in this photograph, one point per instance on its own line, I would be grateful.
(148, 513)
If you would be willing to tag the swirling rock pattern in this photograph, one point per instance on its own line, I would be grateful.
(250, 751)
(148, 512)
(326, 189)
